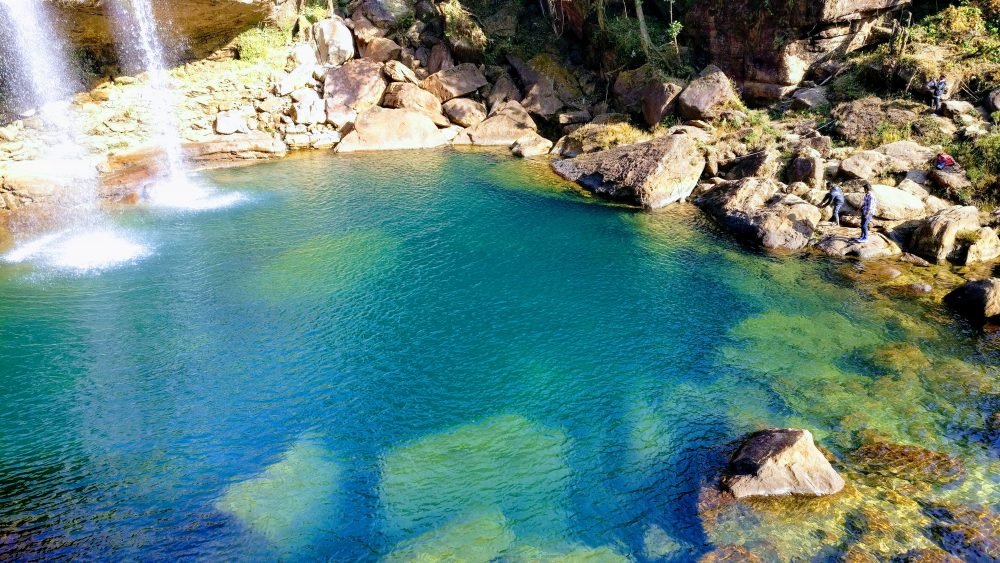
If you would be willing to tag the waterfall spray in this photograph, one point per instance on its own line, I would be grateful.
(140, 43)
(85, 240)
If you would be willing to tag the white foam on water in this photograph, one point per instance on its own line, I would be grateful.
(80, 252)
(185, 194)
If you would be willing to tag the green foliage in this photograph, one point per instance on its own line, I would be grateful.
(622, 36)
(981, 159)
(954, 23)
(849, 86)
(314, 11)
(260, 44)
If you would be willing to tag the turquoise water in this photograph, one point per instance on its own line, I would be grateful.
(436, 354)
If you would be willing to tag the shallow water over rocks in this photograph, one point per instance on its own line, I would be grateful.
(451, 354)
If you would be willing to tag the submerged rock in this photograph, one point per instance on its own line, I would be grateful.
(652, 174)
(920, 466)
(779, 462)
(730, 554)
(292, 501)
(478, 538)
(972, 533)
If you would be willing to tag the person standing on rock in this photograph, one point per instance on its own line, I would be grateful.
(867, 212)
(834, 197)
(938, 89)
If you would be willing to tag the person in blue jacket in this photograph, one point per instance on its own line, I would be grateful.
(834, 197)
(867, 212)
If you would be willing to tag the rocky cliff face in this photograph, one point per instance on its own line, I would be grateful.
(197, 27)
(769, 47)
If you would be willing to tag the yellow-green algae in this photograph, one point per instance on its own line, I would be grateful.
(474, 539)
(332, 263)
(504, 462)
(291, 501)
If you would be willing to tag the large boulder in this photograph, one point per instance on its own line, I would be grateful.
(951, 181)
(859, 121)
(454, 82)
(464, 112)
(891, 204)
(532, 144)
(755, 211)
(770, 51)
(977, 300)
(935, 238)
(380, 49)
(652, 174)
(403, 95)
(350, 89)
(985, 247)
(386, 13)
(807, 99)
(507, 123)
(780, 462)
(379, 129)
(659, 100)
(548, 86)
(844, 243)
(866, 165)
(334, 42)
(786, 223)
(708, 96)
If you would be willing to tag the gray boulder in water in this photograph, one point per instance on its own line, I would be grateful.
(778, 462)
(652, 174)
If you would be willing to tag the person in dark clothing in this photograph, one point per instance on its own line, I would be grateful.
(867, 212)
(938, 89)
(834, 197)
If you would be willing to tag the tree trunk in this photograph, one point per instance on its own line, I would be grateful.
(643, 32)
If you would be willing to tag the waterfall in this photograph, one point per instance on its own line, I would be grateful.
(141, 46)
(41, 72)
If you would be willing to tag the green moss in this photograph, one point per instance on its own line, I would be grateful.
(335, 263)
(290, 502)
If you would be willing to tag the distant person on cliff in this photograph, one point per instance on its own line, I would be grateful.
(938, 89)
(834, 197)
(867, 212)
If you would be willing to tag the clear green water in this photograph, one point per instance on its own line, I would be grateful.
(437, 355)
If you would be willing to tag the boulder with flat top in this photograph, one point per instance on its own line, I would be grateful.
(652, 174)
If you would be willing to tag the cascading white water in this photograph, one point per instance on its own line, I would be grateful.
(85, 240)
(140, 42)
